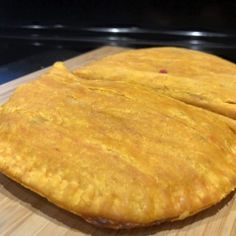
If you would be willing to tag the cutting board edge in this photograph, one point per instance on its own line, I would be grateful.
(71, 63)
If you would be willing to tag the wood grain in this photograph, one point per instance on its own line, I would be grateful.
(23, 212)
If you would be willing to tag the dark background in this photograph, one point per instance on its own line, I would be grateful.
(208, 15)
(36, 33)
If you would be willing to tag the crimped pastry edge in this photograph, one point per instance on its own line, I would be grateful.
(103, 222)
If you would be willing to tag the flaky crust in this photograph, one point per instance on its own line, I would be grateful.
(190, 76)
(117, 154)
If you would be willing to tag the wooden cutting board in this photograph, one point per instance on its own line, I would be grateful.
(23, 212)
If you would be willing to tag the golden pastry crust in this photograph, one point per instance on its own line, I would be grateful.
(117, 154)
(190, 76)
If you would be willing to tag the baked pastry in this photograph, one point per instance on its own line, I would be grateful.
(190, 76)
(117, 154)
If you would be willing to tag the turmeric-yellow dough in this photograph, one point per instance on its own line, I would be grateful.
(119, 155)
(190, 76)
